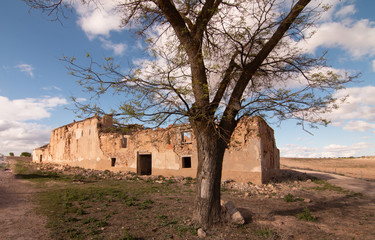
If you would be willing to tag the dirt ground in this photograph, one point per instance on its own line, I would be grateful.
(363, 168)
(18, 219)
(295, 207)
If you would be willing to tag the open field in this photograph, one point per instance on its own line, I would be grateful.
(363, 167)
(84, 204)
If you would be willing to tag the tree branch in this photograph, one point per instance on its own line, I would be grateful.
(251, 68)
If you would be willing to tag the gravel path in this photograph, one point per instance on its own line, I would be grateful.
(367, 188)
(18, 220)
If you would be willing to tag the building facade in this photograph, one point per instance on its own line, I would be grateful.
(94, 143)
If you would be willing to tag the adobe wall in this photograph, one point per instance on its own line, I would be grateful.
(75, 144)
(252, 155)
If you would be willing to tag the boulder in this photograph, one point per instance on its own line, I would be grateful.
(235, 215)
(201, 233)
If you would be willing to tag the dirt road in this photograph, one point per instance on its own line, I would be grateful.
(18, 220)
(367, 188)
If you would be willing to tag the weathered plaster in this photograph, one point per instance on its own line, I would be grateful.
(252, 155)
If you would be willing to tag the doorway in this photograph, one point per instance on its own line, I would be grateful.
(144, 164)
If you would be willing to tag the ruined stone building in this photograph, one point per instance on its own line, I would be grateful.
(95, 143)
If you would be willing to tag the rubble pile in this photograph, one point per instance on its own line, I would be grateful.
(273, 190)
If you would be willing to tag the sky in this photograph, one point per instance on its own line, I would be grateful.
(35, 87)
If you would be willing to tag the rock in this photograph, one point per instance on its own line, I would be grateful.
(179, 178)
(227, 181)
(234, 214)
(307, 200)
(201, 233)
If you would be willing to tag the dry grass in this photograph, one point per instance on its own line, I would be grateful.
(363, 167)
(82, 206)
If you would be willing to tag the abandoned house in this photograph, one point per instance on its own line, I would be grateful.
(95, 143)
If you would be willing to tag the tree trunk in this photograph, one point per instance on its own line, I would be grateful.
(211, 148)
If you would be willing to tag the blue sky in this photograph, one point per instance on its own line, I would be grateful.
(35, 86)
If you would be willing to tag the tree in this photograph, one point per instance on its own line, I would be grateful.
(213, 62)
(11, 154)
(25, 154)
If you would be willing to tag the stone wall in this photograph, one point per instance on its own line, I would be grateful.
(94, 143)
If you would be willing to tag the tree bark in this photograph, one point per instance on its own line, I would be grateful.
(211, 147)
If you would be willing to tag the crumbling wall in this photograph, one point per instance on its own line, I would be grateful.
(75, 144)
(252, 155)
(166, 146)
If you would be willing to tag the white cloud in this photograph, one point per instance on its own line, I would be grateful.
(359, 125)
(292, 150)
(26, 68)
(28, 108)
(356, 149)
(332, 150)
(20, 137)
(358, 112)
(346, 11)
(98, 18)
(358, 39)
(81, 99)
(16, 133)
(359, 105)
(337, 29)
(117, 48)
(49, 88)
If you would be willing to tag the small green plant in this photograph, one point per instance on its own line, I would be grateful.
(290, 198)
(182, 229)
(127, 236)
(189, 180)
(354, 194)
(264, 232)
(161, 177)
(171, 181)
(146, 204)
(306, 216)
(162, 217)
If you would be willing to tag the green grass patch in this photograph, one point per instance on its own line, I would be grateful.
(146, 204)
(128, 236)
(77, 208)
(290, 198)
(4, 165)
(324, 185)
(306, 216)
(264, 232)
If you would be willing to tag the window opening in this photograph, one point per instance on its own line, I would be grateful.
(186, 137)
(113, 162)
(186, 162)
(124, 142)
(40, 158)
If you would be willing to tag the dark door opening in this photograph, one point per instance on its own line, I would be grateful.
(186, 162)
(113, 162)
(144, 164)
(40, 158)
